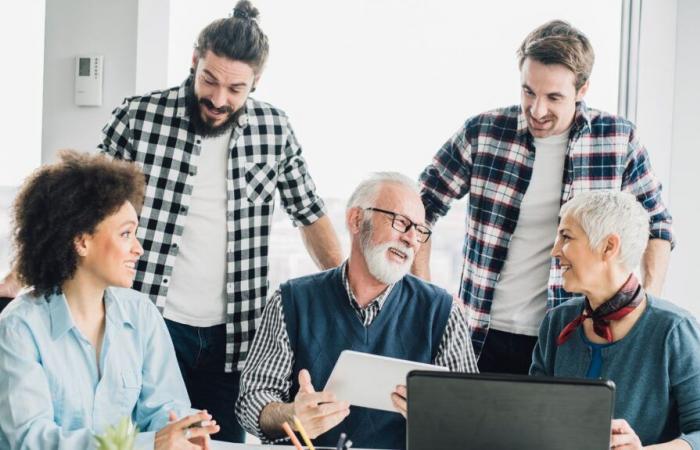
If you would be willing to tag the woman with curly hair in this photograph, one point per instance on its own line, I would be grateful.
(82, 350)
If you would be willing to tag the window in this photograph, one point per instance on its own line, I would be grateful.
(382, 84)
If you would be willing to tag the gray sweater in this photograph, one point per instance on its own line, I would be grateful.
(656, 368)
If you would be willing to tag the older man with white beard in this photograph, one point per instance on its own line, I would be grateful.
(370, 304)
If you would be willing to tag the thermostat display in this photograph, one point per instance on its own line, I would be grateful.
(88, 80)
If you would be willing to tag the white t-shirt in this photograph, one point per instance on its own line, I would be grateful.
(520, 296)
(197, 293)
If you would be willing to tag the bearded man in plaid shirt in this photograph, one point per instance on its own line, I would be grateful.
(213, 159)
(518, 165)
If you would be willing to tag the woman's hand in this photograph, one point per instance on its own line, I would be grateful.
(179, 436)
(398, 397)
(623, 436)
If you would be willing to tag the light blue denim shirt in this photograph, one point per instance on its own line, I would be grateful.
(51, 392)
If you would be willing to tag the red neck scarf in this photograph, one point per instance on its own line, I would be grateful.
(622, 303)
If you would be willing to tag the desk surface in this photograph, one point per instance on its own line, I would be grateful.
(218, 445)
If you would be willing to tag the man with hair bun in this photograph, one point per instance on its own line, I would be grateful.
(518, 165)
(214, 158)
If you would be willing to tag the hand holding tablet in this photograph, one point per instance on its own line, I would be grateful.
(367, 380)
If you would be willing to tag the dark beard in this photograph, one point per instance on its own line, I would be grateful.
(199, 125)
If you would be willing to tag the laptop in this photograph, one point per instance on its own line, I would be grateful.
(495, 411)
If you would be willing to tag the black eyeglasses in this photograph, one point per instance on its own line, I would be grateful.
(401, 223)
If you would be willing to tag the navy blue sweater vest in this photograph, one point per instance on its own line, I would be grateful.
(321, 323)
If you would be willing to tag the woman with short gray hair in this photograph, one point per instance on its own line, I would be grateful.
(649, 347)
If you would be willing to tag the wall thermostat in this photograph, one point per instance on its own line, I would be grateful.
(88, 80)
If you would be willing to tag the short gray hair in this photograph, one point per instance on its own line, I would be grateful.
(602, 213)
(366, 193)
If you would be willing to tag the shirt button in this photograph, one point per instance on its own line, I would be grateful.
(173, 248)
(183, 209)
(165, 281)
(193, 171)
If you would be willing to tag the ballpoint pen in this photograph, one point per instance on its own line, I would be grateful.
(341, 441)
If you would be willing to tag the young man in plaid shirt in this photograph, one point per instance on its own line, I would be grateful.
(213, 159)
(518, 165)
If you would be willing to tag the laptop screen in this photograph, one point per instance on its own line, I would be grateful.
(489, 411)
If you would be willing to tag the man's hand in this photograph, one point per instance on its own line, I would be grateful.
(9, 286)
(398, 398)
(623, 436)
(318, 412)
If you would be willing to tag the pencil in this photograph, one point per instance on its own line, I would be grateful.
(292, 436)
(304, 436)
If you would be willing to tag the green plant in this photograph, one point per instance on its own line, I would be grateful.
(119, 437)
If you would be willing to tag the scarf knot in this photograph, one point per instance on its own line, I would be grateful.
(622, 303)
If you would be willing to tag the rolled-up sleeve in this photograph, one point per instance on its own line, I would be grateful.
(448, 176)
(163, 389)
(266, 377)
(116, 134)
(684, 372)
(639, 179)
(27, 414)
(295, 185)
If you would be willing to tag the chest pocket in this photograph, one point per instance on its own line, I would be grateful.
(261, 180)
(130, 391)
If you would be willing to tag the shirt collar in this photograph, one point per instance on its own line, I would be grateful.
(181, 103)
(115, 309)
(380, 299)
(59, 314)
(582, 120)
(62, 321)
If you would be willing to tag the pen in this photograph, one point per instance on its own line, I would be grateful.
(292, 436)
(341, 441)
(304, 436)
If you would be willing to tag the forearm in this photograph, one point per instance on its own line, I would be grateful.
(10, 286)
(273, 416)
(655, 264)
(322, 243)
(421, 263)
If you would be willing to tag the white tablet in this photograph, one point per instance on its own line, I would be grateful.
(367, 380)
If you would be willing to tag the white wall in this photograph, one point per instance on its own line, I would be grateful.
(75, 27)
(152, 45)
(685, 159)
(22, 44)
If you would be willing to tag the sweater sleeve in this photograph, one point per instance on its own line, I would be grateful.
(541, 354)
(684, 372)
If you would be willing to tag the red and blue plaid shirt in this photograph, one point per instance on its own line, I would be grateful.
(490, 159)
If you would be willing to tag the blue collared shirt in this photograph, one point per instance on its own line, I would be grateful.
(53, 393)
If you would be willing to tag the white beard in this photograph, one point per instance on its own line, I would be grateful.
(383, 269)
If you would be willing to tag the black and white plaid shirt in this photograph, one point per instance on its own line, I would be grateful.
(154, 131)
(267, 376)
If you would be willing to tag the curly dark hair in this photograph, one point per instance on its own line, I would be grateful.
(62, 201)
